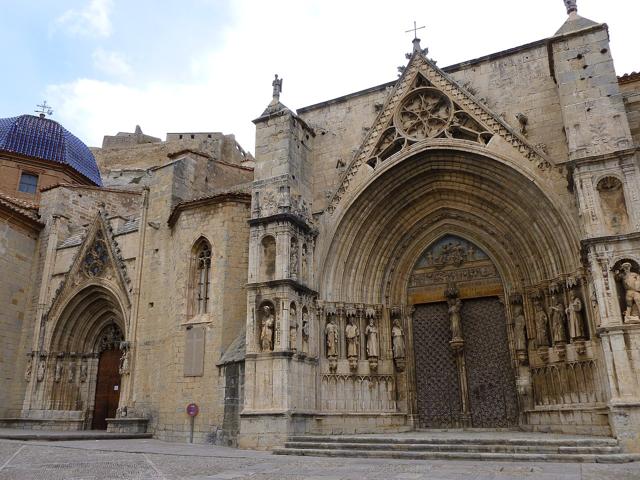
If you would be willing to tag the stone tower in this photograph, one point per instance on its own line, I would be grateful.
(280, 294)
(603, 166)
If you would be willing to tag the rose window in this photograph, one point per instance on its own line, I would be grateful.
(425, 113)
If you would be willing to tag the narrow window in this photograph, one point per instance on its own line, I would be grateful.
(203, 269)
(28, 183)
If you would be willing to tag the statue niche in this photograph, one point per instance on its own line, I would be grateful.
(613, 205)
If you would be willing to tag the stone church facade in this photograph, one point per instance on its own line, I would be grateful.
(459, 248)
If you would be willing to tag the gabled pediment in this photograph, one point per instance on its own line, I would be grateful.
(97, 260)
(427, 104)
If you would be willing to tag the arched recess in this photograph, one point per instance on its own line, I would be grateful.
(91, 326)
(84, 317)
(377, 238)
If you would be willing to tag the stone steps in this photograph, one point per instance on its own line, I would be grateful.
(501, 447)
(48, 436)
(448, 447)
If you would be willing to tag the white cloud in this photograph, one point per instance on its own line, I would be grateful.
(328, 48)
(111, 63)
(93, 20)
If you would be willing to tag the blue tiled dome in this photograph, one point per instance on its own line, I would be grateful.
(47, 140)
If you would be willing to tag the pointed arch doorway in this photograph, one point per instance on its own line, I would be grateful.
(108, 380)
(464, 369)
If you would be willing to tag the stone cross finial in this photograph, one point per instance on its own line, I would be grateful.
(572, 6)
(277, 87)
(415, 30)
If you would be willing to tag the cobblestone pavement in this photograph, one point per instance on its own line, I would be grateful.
(153, 459)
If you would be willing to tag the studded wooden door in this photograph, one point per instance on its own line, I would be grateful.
(437, 385)
(490, 379)
(107, 389)
(492, 393)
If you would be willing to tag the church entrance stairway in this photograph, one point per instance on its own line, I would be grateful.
(494, 445)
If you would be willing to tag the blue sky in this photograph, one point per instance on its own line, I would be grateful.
(207, 65)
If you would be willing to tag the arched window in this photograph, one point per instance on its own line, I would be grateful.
(202, 277)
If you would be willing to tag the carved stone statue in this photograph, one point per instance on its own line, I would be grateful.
(42, 366)
(293, 260)
(331, 331)
(351, 334)
(266, 332)
(293, 328)
(542, 322)
(572, 6)
(455, 304)
(631, 284)
(397, 345)
(594, 307)
(277, 87)
(305, 269)
(123, 369)
(305, 331)
(372, 339)
(27, 372)
(71, 373)
(557, 313)
(519, 328)
(397, 340)
(83, 370)
(57, 374)
(574, 315)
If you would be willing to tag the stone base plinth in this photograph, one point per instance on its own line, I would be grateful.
(56, 424)
(266, 430)
(625, 423)
(127, 425)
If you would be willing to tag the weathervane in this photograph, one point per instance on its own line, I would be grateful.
(44, 110)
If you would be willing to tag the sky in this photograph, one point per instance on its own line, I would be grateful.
(207, 65)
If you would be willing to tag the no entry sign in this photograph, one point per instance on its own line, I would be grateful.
(192, 409)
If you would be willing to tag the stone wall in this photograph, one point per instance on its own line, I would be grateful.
(18, 247)
(160, 388)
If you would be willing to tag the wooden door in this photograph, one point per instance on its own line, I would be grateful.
(437, 383)
(492, 387)
(107, 389)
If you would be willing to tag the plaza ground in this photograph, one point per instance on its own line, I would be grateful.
(154, 459)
